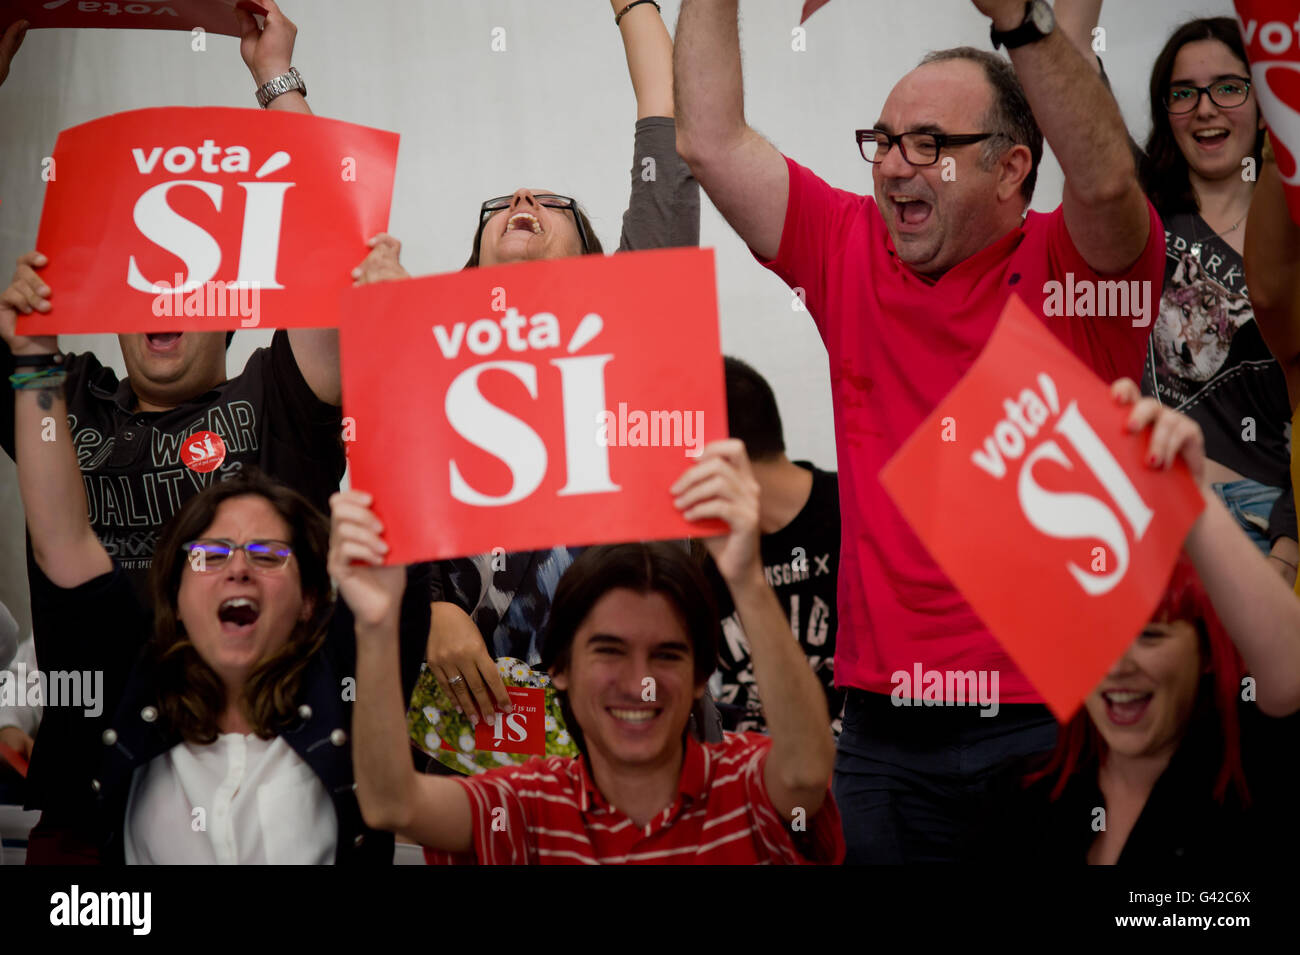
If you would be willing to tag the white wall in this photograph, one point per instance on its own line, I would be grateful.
(555, 110)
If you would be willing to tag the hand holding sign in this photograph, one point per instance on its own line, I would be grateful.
(267, 50)
(723, 486)
(1172, 434)
(1033, 494)
(27, 293)
(372, 591)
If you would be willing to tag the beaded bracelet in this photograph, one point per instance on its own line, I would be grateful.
(39, 380)
(635, 3)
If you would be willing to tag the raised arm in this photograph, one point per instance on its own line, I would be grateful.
(1077, 19)
(49, 477)
(432, 810)
(268, 53)
(649, 51)
(1105, 208)
(798, 769)
(743, 174)
(1260, 613)
(1272, 256)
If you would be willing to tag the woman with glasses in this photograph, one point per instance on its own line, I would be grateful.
(226, 739)
(496, 604)
(1205, 356)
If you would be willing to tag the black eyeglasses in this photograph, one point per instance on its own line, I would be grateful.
(212, 554)
(1226, 93)
(493, 206)
(919, 149)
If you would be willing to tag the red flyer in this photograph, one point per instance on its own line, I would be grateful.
(533, 405)
(181, 219)
(213, 16)
(1034, 498)
(522, 731)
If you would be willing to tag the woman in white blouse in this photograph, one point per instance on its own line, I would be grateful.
(224, 739)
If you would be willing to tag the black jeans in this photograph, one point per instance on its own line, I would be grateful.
(910, 780)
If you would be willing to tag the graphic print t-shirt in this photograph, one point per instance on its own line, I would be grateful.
(1207, 359)
(133, 464)
(801, 563)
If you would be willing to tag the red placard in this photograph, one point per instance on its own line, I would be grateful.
(522, 731)
(1271, 31)
(810, 7)
(214, 16)
(533, 405)
(180, 219)
(1032, 495)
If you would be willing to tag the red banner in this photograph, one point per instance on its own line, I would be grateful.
(533, 405)
(204, 219)
(214, 16)
(1031, 494)
(1271, 30)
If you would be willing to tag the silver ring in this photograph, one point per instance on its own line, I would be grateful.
(456, 679)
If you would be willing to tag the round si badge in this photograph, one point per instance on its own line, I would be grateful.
(203, 452)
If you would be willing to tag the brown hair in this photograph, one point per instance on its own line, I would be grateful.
(191, 695)
(1163, 169)
(656, 567)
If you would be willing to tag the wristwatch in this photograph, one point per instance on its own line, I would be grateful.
(1039, 22)
(282, 84)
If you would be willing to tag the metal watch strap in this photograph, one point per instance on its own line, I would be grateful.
(284, 83)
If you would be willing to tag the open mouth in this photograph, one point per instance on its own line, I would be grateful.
(911, 211)
(634, 717)
(1210, 138)
(162, 341)
(524, 222)
(1126, 707)
(238, 614)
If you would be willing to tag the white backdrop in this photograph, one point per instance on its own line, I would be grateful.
(553, 110)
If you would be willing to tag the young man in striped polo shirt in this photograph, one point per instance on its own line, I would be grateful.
(631, 642)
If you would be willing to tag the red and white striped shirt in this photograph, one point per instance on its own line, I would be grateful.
(548, 811)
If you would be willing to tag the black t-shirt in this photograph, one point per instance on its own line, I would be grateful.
(1181, 822)
(801, 563)
(1208, 360)
(132, 462)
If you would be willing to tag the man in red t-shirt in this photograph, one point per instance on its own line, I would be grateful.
(905, 287)
(631, 641)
